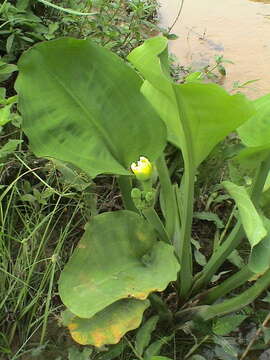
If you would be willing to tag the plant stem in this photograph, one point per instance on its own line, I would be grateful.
(153, 218)
(259, 182)
(236, 235)
(183, 247)
(69, 11)
(168, 195)
(196, 347)
(217, 259)
(228, 224)
(183, 244)
(233, 282)
(125, 185)
(177, 16)
(238, 301)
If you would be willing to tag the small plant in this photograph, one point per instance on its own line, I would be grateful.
(83, 105)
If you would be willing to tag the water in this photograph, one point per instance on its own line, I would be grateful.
(237, 29)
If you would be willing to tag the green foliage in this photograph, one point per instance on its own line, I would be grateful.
(226, 324)
(156, 346)
(260, 254)
(209, 216)
(8, 148)
(86, 125)
(20, 28)
(115, 351)
(116, 25)
(250, 218)
(76, 354)
(42, 203)
(143, 335)
(88, 108)
(33, 240)
(217, 113)
(255, 132)
(6, 70)
(197, 357)
(72, 176)
(6, 109)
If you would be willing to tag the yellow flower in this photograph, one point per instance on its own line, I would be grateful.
(143, 169)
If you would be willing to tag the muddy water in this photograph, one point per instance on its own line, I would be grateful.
(237, 29)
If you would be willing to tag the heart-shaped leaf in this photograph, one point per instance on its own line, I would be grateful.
(82, 104)
(118, 257)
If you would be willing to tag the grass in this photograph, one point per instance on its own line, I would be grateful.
(36, 240)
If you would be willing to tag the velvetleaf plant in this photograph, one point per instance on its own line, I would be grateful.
(83, 105)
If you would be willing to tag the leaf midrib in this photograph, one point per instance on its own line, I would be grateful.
(98, 128)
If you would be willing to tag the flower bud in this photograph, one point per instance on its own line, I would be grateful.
(142, 169)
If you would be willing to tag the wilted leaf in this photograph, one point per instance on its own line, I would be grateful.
(109, 325)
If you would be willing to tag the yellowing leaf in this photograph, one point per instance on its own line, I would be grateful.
(109, 325)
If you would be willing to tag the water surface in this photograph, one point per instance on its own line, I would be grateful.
(238, 29)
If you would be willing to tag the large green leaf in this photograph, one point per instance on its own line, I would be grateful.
(109, 325)
(197, 116)
(245, 164)
(251, 220)
(118, 257)
(82, 104)
(256, 131)
(255, 135)
(259, 260)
